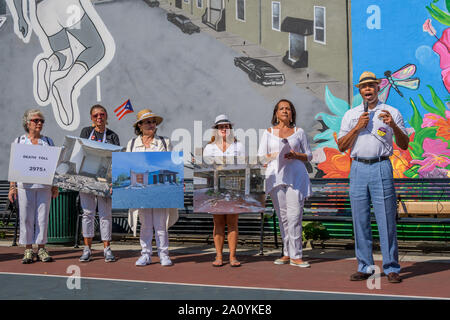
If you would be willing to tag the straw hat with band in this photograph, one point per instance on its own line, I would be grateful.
(221, 119)
(367, 77)
(145, 114)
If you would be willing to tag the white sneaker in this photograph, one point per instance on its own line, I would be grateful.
(144, 260)
(304, 264)
(165, 261)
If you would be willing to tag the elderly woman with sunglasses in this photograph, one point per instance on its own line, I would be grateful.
(223, 143)
(34, 199)
(159, 219)
(285, 148)
(89, 202)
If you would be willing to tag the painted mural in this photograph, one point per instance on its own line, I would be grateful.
(407, 45)
(76, 46)
(247, 55)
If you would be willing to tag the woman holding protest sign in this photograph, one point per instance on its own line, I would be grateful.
(159, 219)
(89, 202)
(223, 143)
(34, 199)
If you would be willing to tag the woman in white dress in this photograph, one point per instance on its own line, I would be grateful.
(158, 219)
(285, 148)
(34, 199)
(223, 143)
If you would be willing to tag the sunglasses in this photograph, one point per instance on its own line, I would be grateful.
(148, 122)
(36, 121)
(99, 115)
(223, 126)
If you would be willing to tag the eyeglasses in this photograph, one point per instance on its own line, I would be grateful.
(284, 140)
(36, 121)
(223, 126)
(99, 115)
(148, 121)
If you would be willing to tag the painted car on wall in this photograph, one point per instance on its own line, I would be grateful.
(152, 4)
(260, 71)
(183, 22)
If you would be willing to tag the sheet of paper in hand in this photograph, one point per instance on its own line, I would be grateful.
(85, 165)
(282, 161)
(32, 163)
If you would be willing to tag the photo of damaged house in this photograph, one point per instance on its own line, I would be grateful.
(147, 180)
(85, 165)
(229, 188)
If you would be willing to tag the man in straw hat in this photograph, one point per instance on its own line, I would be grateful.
(368, 130)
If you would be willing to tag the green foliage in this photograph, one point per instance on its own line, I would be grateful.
(438, 14)
(440, 106)
(122, 177)
(211, 193)
(412, 172)
(416, 146)
(314, 231)
(416, 120)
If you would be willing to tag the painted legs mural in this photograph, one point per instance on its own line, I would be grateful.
(76, 47)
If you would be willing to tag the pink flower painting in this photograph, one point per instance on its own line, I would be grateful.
(436, 154)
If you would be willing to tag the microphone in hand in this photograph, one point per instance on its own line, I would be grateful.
(366, 106)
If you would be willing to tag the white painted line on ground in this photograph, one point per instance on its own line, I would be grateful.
(233, 287)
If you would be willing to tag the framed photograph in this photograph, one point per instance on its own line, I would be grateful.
(85, 165)
(147, 180)
(228, 187)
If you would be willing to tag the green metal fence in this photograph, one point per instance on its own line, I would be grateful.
(410, 231)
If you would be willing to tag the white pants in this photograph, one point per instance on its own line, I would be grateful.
(34, 207)
(154, 219)
(289, 209)
(89, 204)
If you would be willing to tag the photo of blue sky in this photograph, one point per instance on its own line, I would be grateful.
(159, 185)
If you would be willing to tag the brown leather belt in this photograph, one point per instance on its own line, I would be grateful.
(370, 161)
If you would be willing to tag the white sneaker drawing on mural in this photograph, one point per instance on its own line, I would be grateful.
(63, 93)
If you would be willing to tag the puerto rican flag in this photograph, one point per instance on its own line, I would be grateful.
(122, 110)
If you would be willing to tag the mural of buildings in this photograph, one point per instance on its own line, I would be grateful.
(310, 35)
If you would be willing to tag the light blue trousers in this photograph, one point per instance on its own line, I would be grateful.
(374, 183)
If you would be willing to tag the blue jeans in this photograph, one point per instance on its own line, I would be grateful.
(374, 183)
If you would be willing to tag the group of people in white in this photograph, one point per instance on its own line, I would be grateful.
(287, 185)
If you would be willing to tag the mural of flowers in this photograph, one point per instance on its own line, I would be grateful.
(441, 47)
(442, 124)
(436, 155)
(332, 162)
(428, 154)
(337, 164)
(429, 149)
